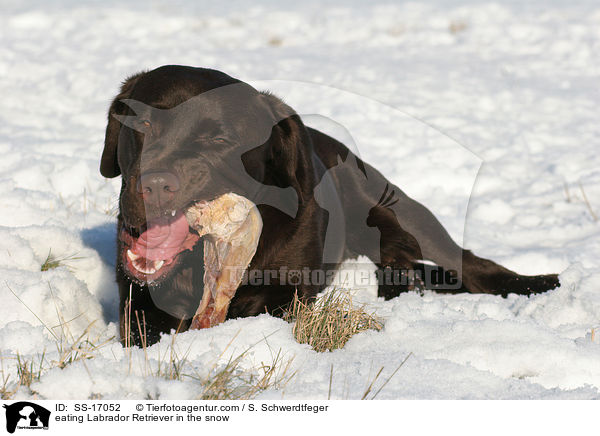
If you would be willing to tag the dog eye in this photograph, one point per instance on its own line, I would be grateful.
(214, 140)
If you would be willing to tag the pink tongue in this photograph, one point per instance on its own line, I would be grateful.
(163, 239)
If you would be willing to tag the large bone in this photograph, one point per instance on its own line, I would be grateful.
(231, 226)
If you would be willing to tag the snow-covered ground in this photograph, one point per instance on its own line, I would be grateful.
(444, 98)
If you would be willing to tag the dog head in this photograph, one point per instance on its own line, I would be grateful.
(179, 136)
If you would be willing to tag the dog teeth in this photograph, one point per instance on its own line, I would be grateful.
(173, 212)
(140, 268)
(141, 265)
(133, 257)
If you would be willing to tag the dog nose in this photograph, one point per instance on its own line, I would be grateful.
(158, 188)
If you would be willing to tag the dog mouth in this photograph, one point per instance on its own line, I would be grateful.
(151, 252)
(230, 227)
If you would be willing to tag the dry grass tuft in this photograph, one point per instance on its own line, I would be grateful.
(70, 348)
(329, 321)
(27, 372)
(232, 382)
(53, 262)
(229, 381)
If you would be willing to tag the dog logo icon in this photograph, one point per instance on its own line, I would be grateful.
(26, 415)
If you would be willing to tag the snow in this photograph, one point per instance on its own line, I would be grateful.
(485, 112)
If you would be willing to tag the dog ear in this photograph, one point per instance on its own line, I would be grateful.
(109, 166)
(290, 147)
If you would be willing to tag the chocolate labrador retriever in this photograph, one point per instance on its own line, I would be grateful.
(182, 136)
